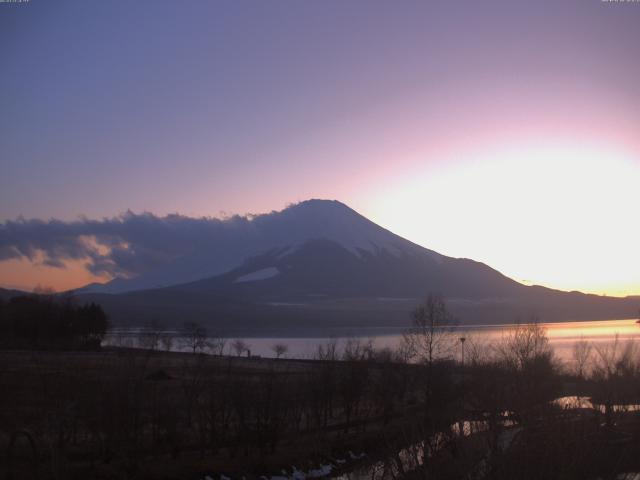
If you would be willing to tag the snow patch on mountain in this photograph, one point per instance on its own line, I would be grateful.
(279, 232)
(261, 274)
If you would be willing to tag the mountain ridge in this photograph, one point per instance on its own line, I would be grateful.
(321, 263)
(255, 234)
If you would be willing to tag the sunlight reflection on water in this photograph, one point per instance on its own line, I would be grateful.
(562, 337)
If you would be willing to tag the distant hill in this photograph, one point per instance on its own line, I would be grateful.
(6, 294)
(319, 264)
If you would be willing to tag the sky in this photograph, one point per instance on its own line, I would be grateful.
(503, 131)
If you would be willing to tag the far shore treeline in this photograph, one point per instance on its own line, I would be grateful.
(51, 322)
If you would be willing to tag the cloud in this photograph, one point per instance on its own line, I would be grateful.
(126, 245)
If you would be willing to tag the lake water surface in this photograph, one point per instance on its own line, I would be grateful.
(301, 344)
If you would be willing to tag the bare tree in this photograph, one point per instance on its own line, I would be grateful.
(239, 346)
(581, 355)
(194, 336)
(355, 349)
(279, 349)
(527, 357)
(328, 351)
(477, 352)
(216, 344)
(166, 340)
(430, 336)
(151, 335)
(525, 344)
(615, 370)
(428, 342)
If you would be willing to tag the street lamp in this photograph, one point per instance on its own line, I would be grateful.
(461, 423)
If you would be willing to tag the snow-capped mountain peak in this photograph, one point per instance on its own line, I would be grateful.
(286, 230)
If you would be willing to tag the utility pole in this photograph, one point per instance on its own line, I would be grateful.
(462, 340)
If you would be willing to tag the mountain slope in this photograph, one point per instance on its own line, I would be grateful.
(285, 230)
(319, 263)
(324, 268)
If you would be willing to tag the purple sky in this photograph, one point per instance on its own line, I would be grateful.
(203, 107)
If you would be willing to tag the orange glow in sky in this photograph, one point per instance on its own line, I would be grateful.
(25, 275)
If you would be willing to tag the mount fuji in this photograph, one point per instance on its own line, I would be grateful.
(319, 264)
(283, 232)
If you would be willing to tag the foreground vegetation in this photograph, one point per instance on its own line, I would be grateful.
(416, 412)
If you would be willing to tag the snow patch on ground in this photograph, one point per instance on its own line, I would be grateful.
(261, 274)
(356, 456)
(323, 471)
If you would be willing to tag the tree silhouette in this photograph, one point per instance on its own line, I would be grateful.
(279, 349)
(194, 336)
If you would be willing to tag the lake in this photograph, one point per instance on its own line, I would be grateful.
(303, 344)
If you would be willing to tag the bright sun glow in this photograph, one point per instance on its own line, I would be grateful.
(557, 215)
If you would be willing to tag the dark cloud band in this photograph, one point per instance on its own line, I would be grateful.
(126, 245)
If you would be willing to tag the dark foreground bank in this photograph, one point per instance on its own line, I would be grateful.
(135, 414)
